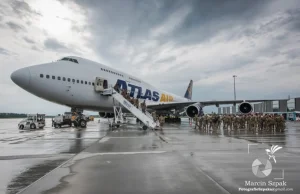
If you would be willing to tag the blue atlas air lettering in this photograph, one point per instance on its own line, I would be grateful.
(154, 95)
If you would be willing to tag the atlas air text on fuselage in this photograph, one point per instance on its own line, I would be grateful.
(147, 95)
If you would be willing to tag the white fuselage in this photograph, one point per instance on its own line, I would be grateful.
(35, 80)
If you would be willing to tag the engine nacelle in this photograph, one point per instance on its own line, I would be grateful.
(106, 115)
(245, 108)
(194, 109)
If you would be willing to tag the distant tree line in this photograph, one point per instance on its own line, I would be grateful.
(22, 115)
(12, 115)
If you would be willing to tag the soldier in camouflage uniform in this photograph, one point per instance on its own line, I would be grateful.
(282, 124)
(205, 123)
(235, 121)
(201, 123)
(196, 120)
(219, 122)
(223, 121)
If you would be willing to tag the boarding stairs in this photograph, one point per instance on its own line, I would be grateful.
(147, 118)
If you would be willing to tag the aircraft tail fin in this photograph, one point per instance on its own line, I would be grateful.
(189, 91)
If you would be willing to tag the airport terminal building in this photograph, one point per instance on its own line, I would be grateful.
(281, 106)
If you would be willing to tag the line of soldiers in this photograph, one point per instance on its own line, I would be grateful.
(132, 100)
(249, 122)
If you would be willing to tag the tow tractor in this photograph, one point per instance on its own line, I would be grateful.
(32, 121)
(79, 120)
(60, 120)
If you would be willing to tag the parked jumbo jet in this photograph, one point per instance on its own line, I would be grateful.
(78, 83)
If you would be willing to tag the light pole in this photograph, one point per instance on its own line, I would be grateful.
(234, 76)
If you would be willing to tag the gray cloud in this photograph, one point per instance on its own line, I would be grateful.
(22, 8)
(15, 27)
(53, 44)
(167, 60)
(4, 51)
(28, 40)
(35, 48)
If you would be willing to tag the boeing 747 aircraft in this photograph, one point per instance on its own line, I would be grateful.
(78, 83)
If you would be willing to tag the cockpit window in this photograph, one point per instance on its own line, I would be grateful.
(69, 59)
(65, 59)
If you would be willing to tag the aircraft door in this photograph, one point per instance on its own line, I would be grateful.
(105, 84)
(70, 91)
(100, 84)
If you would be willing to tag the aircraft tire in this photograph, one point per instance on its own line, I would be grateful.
(144, 127)
(21, 127)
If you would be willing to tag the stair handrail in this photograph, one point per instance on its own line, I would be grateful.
(113, 91)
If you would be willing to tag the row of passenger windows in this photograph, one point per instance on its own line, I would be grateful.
(67, 79)
(109, 71)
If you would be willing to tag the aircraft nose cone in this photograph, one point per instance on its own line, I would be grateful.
(21, 77)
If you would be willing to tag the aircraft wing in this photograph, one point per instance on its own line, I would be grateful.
(180, 105)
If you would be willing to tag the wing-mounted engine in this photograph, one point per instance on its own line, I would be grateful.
(245, 108)
(106, 115)
(194, 109)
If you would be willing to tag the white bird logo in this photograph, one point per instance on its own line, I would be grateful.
(271, 152)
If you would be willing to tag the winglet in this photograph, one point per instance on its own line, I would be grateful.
(189, 91)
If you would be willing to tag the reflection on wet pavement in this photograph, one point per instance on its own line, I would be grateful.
(25, 155)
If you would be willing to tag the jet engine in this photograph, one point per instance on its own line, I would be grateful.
(106, 115)
(194, 109)
(245, 108)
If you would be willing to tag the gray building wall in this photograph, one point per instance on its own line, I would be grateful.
(260, 107)
(233, 110)
(282, 105)
(297, 104)
(256, 107)
(269, 106)
(263, 107)
(219, 110)
(228, 110)
(224, 110)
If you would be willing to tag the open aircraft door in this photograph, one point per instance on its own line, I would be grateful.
(100, 84)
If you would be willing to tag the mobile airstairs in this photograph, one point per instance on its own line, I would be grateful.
(147, 118)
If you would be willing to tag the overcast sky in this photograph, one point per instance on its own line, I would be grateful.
(167, 43)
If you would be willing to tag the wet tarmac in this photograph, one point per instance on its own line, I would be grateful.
(177, 160)
(26, 156)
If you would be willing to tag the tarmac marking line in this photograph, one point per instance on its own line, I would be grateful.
(104, 139)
